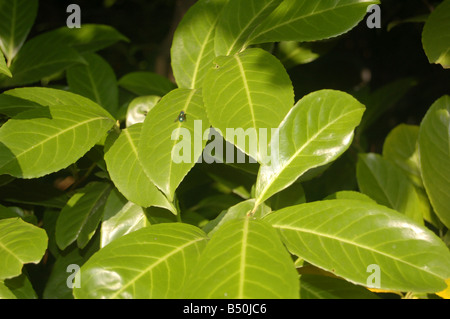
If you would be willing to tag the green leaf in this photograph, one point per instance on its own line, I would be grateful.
(238, 211)
(95, 80)
(21, 287)
(120, 218)
(159, 147)
(3, 67)
(293, 195)
(192, 51)
(161, 256)
(16, 19)
(5, 292)
(78, 220)
(146, 83)
(401, 148)
(45, 140)
(139, 108)
(11, 105)
(20, 243)
(304, 20)
(323, 287)
(245, 259)
(317, 130)
(238, 20)
(88, 38)
(126, 171)
(350, 195)
(347, 236)
(388, 185)
(435, 37)
(250, 91)
(39, 59)
(434, 150)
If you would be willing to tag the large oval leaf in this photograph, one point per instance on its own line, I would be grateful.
(16, 19)
(248, 91)
(95, 80)
(20, 243)
(44, 140)
(126, 171)
(434, 150)
(347, 236)
(192, 49)
(384, 182)
(159, 147)
(79, 219)
(237, 22)
(152, 262)
(305, 20)
(245, 259)
(435, 37)
(315, 132)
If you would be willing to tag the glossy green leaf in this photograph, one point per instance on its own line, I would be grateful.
(3, 67)
(388, 185)
(47, 139)
(192, 51)
(40, 59)
(238, 211)
(235, 266)
(158, 260)
(126, 171)
(315, 132)
(16, 19)
(95, 80)
(88, 38)
(78, 220)
(401, 148)
(250, 91)
(20, 243)
(139, 108)
(434, 150)
(238, 20)
(435, 36)
(347, 236)
(121, 218)
(167, 159)
(324, 287)
(146, 83)
(304, 20)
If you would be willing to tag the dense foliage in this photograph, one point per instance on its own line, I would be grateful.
(239, 149)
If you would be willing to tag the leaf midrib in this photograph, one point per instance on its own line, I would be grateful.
(16, 156)
(159, 261)
(319, 234)
(304, 17)
(295, 155)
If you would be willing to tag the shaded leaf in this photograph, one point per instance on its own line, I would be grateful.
(146, 83)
